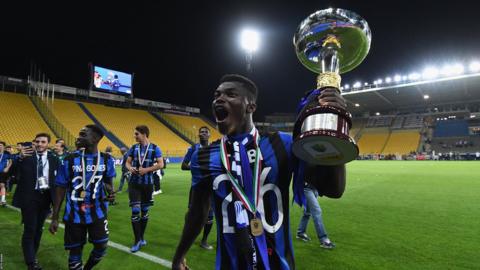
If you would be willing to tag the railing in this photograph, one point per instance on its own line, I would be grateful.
(52, 122)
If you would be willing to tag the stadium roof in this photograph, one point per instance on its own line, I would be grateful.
(454, 90)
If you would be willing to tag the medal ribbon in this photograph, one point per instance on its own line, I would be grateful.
(84, 173)
(140, 160)
(250, 205)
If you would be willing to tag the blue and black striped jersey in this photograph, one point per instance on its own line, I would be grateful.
(274, 246)
(153, 152)
(87, 209)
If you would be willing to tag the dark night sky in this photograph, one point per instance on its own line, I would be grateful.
(178, 52)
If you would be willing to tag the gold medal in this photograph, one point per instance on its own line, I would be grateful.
(83, 194)
(256, 227)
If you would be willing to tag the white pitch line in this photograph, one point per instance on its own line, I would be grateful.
(123, 248)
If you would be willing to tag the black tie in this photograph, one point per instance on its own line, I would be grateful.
(40, 166)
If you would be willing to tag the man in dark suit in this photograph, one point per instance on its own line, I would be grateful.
(36, 170)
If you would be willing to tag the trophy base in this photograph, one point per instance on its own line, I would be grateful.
(321, 136)
(323, 147)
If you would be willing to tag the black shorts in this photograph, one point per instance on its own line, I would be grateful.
(140, 194)
(3, 177)
(76, 234)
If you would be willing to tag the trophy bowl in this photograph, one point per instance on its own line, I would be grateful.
(328, 42)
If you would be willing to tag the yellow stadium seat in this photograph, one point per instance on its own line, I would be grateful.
(73, 118)
(19, 120)
(192, 124)
(402, 142)
(122, 123)
(373, 140)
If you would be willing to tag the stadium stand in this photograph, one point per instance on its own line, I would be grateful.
(192, 124)
(73, 118)
(373, 140)
(402, 142)
(122, 123)
(20, 121)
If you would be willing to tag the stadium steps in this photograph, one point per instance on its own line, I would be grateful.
(122, 123)
(74, 118)
(386, 141)
(171, 127)
(108, 134)
(191, 124)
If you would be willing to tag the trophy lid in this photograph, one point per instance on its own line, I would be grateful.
(350, 31)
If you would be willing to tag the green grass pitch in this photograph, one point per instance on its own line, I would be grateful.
(393, 215)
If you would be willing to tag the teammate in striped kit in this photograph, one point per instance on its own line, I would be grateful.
(84, 177)
(144, 158)
(249, 172)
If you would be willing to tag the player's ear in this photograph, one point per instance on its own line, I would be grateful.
(251, 107)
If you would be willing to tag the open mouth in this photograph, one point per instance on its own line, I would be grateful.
(220, 113)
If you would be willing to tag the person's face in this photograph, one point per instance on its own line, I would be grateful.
(19, 147)
(41, 144)
(86, 138)
(9, 149)
(139, 137)
(58, 147)
(231, 107)
(204, 134)
(2, 147)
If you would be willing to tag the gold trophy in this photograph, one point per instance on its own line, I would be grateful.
(329, 42)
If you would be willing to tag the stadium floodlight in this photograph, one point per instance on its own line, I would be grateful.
(458, 69)
(474, 66)
(357, 105)
(365, 84)
(426, 96)
(388, 80)
(377, 113)
(347, 86)
(455, 69)
(357, 85)
(397, 78)
(430, 73)
(413, 76)
(379, 81)
(249, 40)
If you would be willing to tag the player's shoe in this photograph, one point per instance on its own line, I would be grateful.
(136, 247)
(303, 236)
(327, 244)
(206, 246)
(143, 242)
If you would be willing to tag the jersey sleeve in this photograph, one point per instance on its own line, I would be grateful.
(111, 168)
(62, 174)
(130, 152)
(205, 167)
(197, 176)
(188, 156)
(158, 152)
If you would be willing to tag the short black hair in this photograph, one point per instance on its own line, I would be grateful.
(3, 143)
(248, 84)
(143, 129)
(96, 130)
(203, 127)
(59, 139)
(43, 134)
